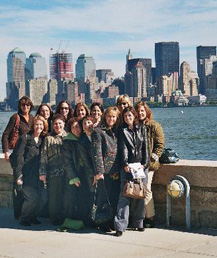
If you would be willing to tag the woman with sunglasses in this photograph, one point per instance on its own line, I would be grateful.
(25, 106)
(64, 108)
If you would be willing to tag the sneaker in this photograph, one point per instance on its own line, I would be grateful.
(118, 233)
(25, 223)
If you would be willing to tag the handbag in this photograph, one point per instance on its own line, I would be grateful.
(15, 134)
(169, 156)
(105, 214)
(135, 189)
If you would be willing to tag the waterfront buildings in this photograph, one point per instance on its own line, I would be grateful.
(36, 67)
(85, 68)
(36, 90)
(137, 76)
(61, 66)
(166, 58)
(203, 52)
(188, 80)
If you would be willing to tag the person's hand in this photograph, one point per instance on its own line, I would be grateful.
(19, 181)
(43, 178)
(127, 169)
(98, 177)
(154, 157)
(78, 183)
(7, 156)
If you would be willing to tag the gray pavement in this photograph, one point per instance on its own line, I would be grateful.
(45, 241)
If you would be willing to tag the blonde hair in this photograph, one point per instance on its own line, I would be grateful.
(123, 98)
(45, 123)
(109, 111)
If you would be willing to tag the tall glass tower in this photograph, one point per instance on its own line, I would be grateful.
(85, 68)
(36, 67)
(166, 58)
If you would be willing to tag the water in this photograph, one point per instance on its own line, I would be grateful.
(190, 131)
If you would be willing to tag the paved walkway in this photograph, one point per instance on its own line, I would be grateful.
(46, 241)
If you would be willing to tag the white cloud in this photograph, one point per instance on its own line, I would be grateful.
(123, 24)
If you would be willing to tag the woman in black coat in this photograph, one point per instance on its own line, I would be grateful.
(26, 171)
(104, 141)
(133, 148)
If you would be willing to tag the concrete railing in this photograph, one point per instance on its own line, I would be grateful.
(201, 174)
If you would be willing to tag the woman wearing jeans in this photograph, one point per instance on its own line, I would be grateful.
(133, 147)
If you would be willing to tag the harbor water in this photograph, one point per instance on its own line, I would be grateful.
(190, 131)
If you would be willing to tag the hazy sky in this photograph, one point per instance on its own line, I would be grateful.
(105, 29)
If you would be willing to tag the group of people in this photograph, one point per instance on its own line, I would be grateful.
(81, 157)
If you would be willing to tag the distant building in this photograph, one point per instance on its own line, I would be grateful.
(36, 67)
(15, 86)
(85, 69)
(101, 74)
(166, 84)
(166, 58)
(111, 91)
(71, 90)
(52, 88)
(203, 52)
(61, 66)
(36, 90)
(133, 64)
(188, 80)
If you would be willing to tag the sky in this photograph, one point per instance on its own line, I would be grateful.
(105, 29)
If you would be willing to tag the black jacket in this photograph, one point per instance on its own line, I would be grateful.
(105, 151)
(26, 158)
(133, 145)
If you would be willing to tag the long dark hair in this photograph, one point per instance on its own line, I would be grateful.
(71, 111)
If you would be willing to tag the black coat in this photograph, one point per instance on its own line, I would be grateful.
(26, 158)
(105, 151)
(133, 145)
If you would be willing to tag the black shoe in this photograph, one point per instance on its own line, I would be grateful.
(105, 228)
(118, 233)
(35, 221)
(141, 229)
(149, 223)
(25, 223)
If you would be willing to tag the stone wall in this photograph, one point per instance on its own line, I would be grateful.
(202, 176)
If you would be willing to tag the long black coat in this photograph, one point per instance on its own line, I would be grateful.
(26, 159)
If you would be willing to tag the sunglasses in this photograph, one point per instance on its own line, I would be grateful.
(66, 108)
(23, 105)
(124, 104)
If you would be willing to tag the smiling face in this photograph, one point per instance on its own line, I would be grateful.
(111, 119)
(58, 126)
(45, 112)
(96, 113)
(141, 113)
(64, 109)
(76, 129)
(38, 126)
(129, 118)
(25, 108)
(87, 125)
(81, 112)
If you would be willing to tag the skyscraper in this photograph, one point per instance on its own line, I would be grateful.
(16, 65)
(166, 58)
(36, 67)
(85, 71)
(203, 52)
(15, 86)
(85, 67)
(61, 66)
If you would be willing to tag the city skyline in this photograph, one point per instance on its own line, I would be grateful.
(105, 31)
